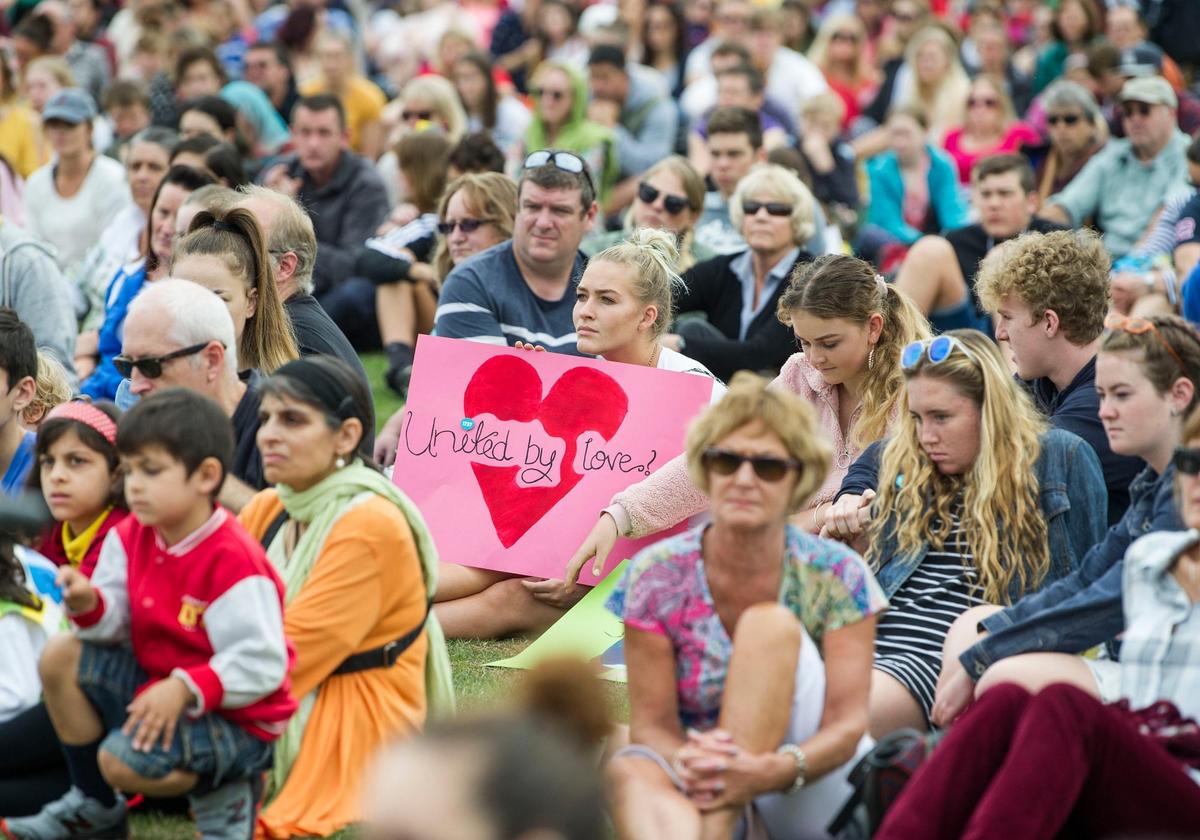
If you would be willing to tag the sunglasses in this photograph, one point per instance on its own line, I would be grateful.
(844, 36)
(982, 102)
(936, 349)
(773, 208)
(671, 203)
(566, 161)
(1065, 119)
(409, 116)
(1141, 326)
(1186, 461)
(724, 462)
(540, 93)
(1140, 109)
(465, 225)
(152, 366)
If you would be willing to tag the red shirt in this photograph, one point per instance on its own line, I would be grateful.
(208, 610)
(51, 547)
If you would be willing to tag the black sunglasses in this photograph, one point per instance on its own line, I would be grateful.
(671, 203)
(1186, 461)
(409, 116)
(774, 208)
(152, 366)
(1065, 119)
(465, 225)
(556, 95)
(1140, 109)
(724, 462)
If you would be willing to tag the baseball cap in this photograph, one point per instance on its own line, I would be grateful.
(1141, 60)
(71, 105)
(1153, 90)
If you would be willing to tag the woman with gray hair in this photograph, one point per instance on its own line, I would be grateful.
(1077, 131)
(737, 293)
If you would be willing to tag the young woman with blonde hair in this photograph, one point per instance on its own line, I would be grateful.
(979, 502)
(850, 327)
(226, 252)
(622, 311)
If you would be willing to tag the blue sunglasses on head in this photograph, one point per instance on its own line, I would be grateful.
(936, 349)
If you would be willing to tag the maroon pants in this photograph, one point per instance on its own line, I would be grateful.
(1054, 764)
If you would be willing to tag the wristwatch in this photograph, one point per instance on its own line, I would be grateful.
(797, 755)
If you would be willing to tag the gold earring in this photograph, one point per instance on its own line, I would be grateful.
(871, 358)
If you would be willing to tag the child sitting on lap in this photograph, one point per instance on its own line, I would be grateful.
(176, 679)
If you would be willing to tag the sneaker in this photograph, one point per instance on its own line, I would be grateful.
(74, 815)
(400, 364)
(228, 812)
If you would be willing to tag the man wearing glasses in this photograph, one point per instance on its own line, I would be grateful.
(179, 335)
(523, 290)
(1124, 185)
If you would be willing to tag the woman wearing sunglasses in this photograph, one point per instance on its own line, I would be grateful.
(748, 641)
(1146, 375)
(669, 196)
(622, 309)
(979, 503)
(1077, 132)
(158, 241)
(560, 100)
(991, 127)
(1026, 765)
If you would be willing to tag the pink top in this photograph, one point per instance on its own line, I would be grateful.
(667, 496)
(1018, 134)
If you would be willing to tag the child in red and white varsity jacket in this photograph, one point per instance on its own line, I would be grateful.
(176, 679)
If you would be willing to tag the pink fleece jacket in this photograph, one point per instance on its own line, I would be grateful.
(667, 496)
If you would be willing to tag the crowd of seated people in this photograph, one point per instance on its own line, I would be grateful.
(937, 263)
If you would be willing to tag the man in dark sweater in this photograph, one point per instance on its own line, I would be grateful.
(939, 271)
(343, 194)
(293, 247)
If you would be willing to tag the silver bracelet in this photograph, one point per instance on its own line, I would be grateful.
(797, 755)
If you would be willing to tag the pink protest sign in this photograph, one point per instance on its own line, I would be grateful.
(511, 455)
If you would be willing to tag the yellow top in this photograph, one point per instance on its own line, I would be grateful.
(76, 548)
(363, 102)
(365, 590)
(21, 138)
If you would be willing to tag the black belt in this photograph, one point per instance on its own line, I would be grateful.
(384, 656)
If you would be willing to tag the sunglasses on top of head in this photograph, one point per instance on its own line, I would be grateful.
(671, 203)
(936, 350)
(766, 467)
(566, 161)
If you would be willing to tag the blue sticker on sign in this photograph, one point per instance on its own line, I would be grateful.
(468, 424)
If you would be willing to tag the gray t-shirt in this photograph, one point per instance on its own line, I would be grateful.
(486, 299)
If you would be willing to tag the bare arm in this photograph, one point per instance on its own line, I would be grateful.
(848, 653)
(1054, 213)
(235, 493)
(653, 702)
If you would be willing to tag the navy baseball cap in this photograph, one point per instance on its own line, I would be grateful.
(70, 105)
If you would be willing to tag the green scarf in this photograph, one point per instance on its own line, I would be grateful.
(320, 507)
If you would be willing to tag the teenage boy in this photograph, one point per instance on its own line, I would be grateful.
(18, 379)
(176, 680)
(1049, 294)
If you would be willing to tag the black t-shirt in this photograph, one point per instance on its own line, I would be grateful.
(972, 243)
(318, 335)
(1187, 229)
(247, 462)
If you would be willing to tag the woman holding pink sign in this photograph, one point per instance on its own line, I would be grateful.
(622, 311)
(850, 327)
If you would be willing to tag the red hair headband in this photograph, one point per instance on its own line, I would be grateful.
(88, 415)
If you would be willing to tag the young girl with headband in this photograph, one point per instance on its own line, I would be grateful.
(78, 475)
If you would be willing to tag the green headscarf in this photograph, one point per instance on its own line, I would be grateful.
(320, 507)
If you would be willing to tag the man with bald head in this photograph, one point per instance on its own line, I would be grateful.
(293, 247)
(178, 334)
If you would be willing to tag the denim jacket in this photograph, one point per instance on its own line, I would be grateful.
(1071, 496)
(1083, 609)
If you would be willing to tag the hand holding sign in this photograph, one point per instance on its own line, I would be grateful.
(510, 454)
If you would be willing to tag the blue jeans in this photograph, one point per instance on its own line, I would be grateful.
(210, 746)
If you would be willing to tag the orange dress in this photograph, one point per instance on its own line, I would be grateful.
(364, 590)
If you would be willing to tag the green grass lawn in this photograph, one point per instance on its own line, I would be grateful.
(479, 689)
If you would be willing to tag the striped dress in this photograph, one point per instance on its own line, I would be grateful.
(910, 635)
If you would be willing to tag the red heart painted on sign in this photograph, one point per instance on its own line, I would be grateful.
(583, 399)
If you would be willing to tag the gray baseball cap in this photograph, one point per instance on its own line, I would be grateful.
(1153, 90)
(70, 105)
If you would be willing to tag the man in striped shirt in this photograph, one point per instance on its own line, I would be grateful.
(524, 289)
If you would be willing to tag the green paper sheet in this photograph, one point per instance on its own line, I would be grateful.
(586, 631)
